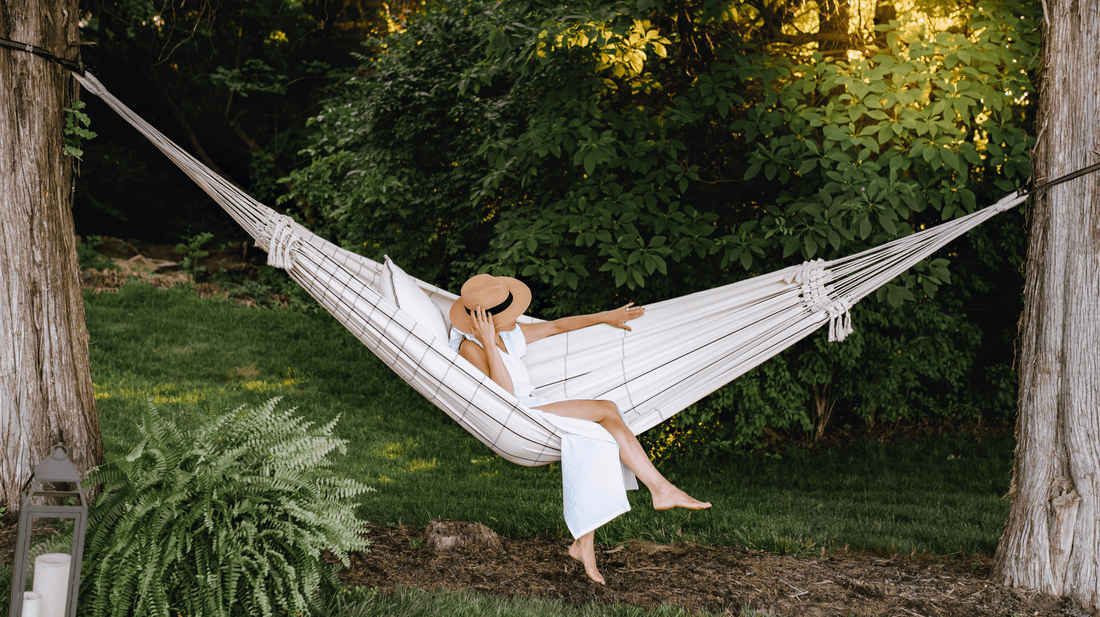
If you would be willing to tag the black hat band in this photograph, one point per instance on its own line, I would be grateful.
(496, 310)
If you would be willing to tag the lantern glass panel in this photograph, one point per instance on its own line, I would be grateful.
(52, 520)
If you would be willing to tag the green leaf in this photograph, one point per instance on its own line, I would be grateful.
(929, 287)
(589, 162)
(791, 245)
(620, 276)
(951, 159)
(894, 297)
(968, 199)
(859, 89)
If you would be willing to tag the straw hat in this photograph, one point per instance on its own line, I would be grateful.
(504, 297)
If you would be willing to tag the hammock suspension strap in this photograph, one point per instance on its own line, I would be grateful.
(74, 66)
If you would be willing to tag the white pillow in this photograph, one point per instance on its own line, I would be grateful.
(400, 289)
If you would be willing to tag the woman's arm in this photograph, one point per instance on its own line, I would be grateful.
(617, 318)
(486, 357)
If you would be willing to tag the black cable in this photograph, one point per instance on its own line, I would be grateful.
(76, 67)
(1066, 178)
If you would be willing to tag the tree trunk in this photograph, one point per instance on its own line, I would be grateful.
(1052, 535)
(833, 18)
(45, 382)
(824, 403)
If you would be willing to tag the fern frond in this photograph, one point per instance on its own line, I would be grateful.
(230, 519)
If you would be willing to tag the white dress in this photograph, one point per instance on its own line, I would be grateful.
(594, 479)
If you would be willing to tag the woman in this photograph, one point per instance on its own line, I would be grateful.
(486, 334)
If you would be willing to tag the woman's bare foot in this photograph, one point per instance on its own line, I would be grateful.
(584, 551)
(675, 498)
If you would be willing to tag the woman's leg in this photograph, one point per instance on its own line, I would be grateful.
(665, 495)
(584, 551)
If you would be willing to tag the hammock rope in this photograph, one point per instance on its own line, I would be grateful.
(683, 349)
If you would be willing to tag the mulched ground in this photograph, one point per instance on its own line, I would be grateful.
(698, 578)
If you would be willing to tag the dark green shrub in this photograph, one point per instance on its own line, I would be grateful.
(89, 257)
(230, 519)
(191, 252)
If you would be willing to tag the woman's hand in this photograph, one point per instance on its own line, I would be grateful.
(487, 358)
(620, 316)
(484, 330)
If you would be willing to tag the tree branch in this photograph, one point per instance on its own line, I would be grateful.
(256, 148)
(196, 147)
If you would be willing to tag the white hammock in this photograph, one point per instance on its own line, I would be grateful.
(680, 351)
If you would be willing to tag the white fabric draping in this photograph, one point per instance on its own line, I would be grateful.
(594, 478)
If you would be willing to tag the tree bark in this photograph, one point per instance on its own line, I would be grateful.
(833, 18)
(1052, 535)
(45, 381)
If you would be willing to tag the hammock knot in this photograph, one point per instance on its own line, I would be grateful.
(817, 295)
(93, 85)
(840, 320)
(808, 271)
(813, 279)
(283, 239)
(1008, 202)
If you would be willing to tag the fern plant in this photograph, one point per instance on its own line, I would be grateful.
(230, 519)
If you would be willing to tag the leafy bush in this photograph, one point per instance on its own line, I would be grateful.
(191, 252)
(89, 257)
(566, 131)
(584, 150)
(230, 519)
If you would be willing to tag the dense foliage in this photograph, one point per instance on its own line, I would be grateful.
(231, 519)
(645, 150)
(233, 81)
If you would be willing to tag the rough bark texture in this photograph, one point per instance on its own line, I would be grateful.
(45, 382)
(833, 21)
(1052, 537)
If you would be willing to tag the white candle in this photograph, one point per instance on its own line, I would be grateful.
(32, 604)
(51, 579)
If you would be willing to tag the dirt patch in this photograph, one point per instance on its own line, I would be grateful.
(698, 578)
(159, 265)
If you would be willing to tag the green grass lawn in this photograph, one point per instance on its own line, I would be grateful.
(195, 357)
(420, 603)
